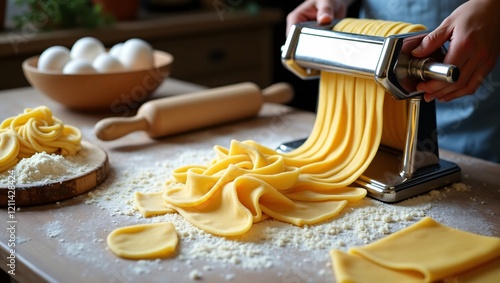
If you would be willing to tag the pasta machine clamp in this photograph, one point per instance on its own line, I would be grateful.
(394, 174)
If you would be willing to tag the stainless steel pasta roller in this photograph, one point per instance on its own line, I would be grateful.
(395, 173)
(310, 48)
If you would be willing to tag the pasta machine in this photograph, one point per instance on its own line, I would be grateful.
(394, 174)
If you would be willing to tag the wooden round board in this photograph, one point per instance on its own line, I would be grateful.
(95, 172)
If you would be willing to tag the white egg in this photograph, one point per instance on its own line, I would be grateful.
(137, 54)
(53, 58)
(116, 50)
(87, 48)
(105, 63)
(78, 66)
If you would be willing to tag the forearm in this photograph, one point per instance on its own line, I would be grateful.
(492, 5)
(474, 45)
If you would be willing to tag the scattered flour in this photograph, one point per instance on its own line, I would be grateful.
(53, 229)
(293, 254)
(195, 275)
(21, 239)
(261, 247)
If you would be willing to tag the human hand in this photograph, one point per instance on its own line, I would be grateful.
(323, 11)
(473, 30)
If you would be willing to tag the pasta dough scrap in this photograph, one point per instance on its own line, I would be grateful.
(150, 204)
(424, 252)
(347, 268)
(144, 241)
(35, 130)
(485, 273)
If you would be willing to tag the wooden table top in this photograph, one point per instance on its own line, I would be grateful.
(66, 242)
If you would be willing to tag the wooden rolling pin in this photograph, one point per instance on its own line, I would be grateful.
(185, 112)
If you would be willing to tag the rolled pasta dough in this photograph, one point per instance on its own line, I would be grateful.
(424, 252)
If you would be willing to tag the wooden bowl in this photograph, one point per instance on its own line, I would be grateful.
(103, 91)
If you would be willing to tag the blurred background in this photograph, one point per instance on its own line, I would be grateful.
(214, 42)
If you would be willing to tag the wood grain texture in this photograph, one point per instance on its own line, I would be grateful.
(67, 187)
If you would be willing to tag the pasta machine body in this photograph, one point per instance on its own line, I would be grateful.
(394, 174)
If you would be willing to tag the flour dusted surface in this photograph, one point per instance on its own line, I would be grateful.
(270, 252)
(203, 255)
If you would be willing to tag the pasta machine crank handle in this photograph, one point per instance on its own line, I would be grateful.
(429, 69)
